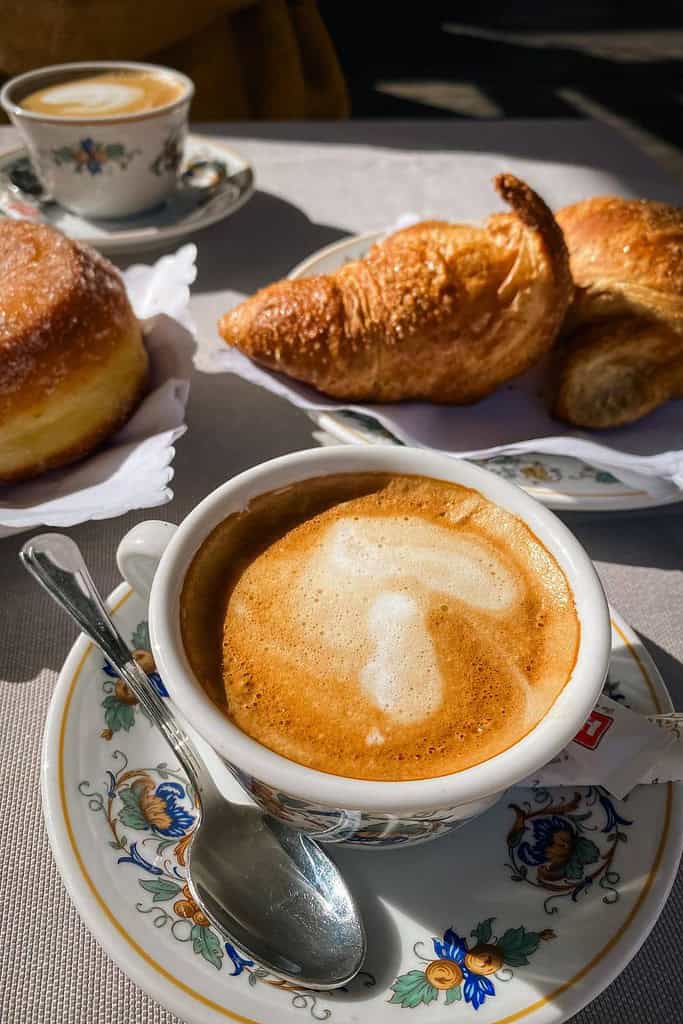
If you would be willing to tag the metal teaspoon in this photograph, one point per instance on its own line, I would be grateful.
(270, 889)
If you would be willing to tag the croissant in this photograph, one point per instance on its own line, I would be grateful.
(622, 350)
(438, 311)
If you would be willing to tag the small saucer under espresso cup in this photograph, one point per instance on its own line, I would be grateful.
(498, 918)
(213, 182)
(110, 174)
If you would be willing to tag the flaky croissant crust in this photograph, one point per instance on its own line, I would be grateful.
(622, 352)
(626, 256)
(438, 311)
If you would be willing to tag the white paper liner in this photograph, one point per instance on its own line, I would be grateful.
(133, 469)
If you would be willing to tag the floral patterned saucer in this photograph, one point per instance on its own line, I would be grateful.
(526, 914)
(214, 182)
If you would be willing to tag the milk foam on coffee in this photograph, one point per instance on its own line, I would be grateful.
(105, 95)
(385, 572)
(383, 627)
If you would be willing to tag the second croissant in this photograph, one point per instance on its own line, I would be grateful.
(438, 311)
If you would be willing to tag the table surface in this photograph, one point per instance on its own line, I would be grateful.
(315, 183)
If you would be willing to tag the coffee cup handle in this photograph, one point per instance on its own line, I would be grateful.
(140, 551)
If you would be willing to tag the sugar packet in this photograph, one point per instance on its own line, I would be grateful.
(618, 749)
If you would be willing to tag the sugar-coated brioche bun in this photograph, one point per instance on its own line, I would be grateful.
(73, 366)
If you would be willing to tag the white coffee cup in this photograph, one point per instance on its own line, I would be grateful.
(155, 557)
(112, 166)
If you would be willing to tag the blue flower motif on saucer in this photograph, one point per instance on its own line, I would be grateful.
(91, 156)
(556, 844)
(567, 845)
(464, 971)
(154, 678)
(475, 987)
(160, 810)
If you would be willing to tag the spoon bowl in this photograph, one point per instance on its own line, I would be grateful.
(279, 888)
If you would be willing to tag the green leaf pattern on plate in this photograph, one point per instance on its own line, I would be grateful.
(206, 943)
(162, 889)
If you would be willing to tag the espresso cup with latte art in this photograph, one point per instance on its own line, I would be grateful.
(377, 642)
(105, 138)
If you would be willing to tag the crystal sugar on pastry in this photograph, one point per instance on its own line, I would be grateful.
(437, 312)
(379, 626)
(73, 366)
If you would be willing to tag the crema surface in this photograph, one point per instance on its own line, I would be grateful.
(379, 626)
(105, 95)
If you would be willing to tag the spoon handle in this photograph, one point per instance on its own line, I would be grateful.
(57, 563)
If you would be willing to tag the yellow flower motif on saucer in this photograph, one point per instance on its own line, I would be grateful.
(154, 808)
(484, 959)
(443, 974)
(124, 693)
(188, 909)
(145, 660)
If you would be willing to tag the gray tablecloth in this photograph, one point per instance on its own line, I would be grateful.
(51, 971)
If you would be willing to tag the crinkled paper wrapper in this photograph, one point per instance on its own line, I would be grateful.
(618, 749)
(133, 470)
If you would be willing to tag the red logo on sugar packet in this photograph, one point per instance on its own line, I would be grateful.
(591, 733)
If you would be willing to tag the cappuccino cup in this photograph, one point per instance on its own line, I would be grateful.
(158, 559)
(105, 138)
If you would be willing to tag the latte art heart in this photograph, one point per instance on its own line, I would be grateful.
(106, 94)
(402, 675)
(389, 571)
(93, 97)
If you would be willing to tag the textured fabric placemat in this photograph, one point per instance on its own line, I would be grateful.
(51, 970)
